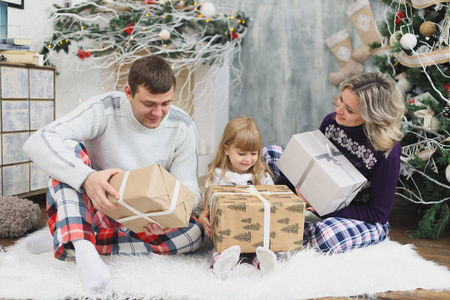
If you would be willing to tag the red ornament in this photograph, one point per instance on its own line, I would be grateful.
(399, 17)
(129, 29)
(447, 87)
(233, 35)
(151, 2)
(81, 54)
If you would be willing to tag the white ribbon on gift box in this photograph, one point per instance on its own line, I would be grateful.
(328, 155)
(251, 190)
(146, 216)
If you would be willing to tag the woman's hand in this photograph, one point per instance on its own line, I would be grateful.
(154, 229)
(308, 206)
(204, 220)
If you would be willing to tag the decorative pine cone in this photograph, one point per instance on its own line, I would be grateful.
(446, 111)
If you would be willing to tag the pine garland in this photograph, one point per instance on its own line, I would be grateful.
(124, 27)
(109, 36)
(433, 223)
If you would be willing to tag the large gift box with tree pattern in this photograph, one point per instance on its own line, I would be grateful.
(150, 195)
(250, 216)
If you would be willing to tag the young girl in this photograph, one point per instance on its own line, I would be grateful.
(238, 161)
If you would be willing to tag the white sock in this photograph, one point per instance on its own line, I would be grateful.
(227, 260)
(267, 260)
(93, 271)
(39, 243)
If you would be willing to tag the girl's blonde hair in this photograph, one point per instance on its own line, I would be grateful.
(241, 133)
(381, 107)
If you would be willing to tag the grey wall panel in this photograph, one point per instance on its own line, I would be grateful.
(286, 63)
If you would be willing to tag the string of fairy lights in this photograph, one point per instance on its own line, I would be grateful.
(110, 35)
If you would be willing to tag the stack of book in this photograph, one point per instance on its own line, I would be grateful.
(17, 50)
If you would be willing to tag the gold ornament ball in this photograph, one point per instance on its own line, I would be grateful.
(427, 28)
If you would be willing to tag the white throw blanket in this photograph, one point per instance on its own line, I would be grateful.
(388, 266)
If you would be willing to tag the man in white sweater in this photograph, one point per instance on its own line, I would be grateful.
(121, 131)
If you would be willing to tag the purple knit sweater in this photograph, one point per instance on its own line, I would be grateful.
(374, 203)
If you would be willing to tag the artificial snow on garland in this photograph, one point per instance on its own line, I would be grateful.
(111, 35)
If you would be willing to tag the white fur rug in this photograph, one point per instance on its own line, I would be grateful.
(388, 266)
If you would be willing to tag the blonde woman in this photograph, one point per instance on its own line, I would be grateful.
(366, 129)
(238, 161)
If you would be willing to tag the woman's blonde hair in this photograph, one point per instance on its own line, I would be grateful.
(381, 107)
(241, 133)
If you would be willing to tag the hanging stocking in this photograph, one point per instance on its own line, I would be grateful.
(361, 16)
(341, 46)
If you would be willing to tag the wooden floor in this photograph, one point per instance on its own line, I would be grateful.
(404, 220)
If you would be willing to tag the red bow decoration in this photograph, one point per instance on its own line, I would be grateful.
(82, 54)
(129, 29)
(447, 87)
(399, 17)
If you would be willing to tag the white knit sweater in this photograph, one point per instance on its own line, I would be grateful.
(115, 139)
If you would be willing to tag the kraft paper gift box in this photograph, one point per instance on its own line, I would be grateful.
(150, 195)
(324, 176)
(250, 216)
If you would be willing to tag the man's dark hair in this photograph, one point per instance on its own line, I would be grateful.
(153, 73)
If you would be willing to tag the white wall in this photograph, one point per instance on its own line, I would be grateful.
(286, 63)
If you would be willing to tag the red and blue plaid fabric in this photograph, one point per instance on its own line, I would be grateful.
(332, 235)
(71, 216)
(272, 154)
(338, 235)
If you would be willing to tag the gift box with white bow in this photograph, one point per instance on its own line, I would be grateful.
(269, 216)
(325, 177)
(150, 195)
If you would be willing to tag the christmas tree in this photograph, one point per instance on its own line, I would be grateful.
(415, 51)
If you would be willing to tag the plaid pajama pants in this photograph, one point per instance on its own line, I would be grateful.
(333, 235)
(71, 216)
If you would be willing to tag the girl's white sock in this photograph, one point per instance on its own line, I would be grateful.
(227, 260)
(39, 242)
(94, 273)
(267, 260)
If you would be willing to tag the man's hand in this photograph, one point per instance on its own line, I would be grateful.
(96, 186)
(204, 220)
(308, 206)
(154, 229)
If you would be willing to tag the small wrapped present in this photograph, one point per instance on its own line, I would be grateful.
(250, 216)
(325, 177)
(150, 195)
